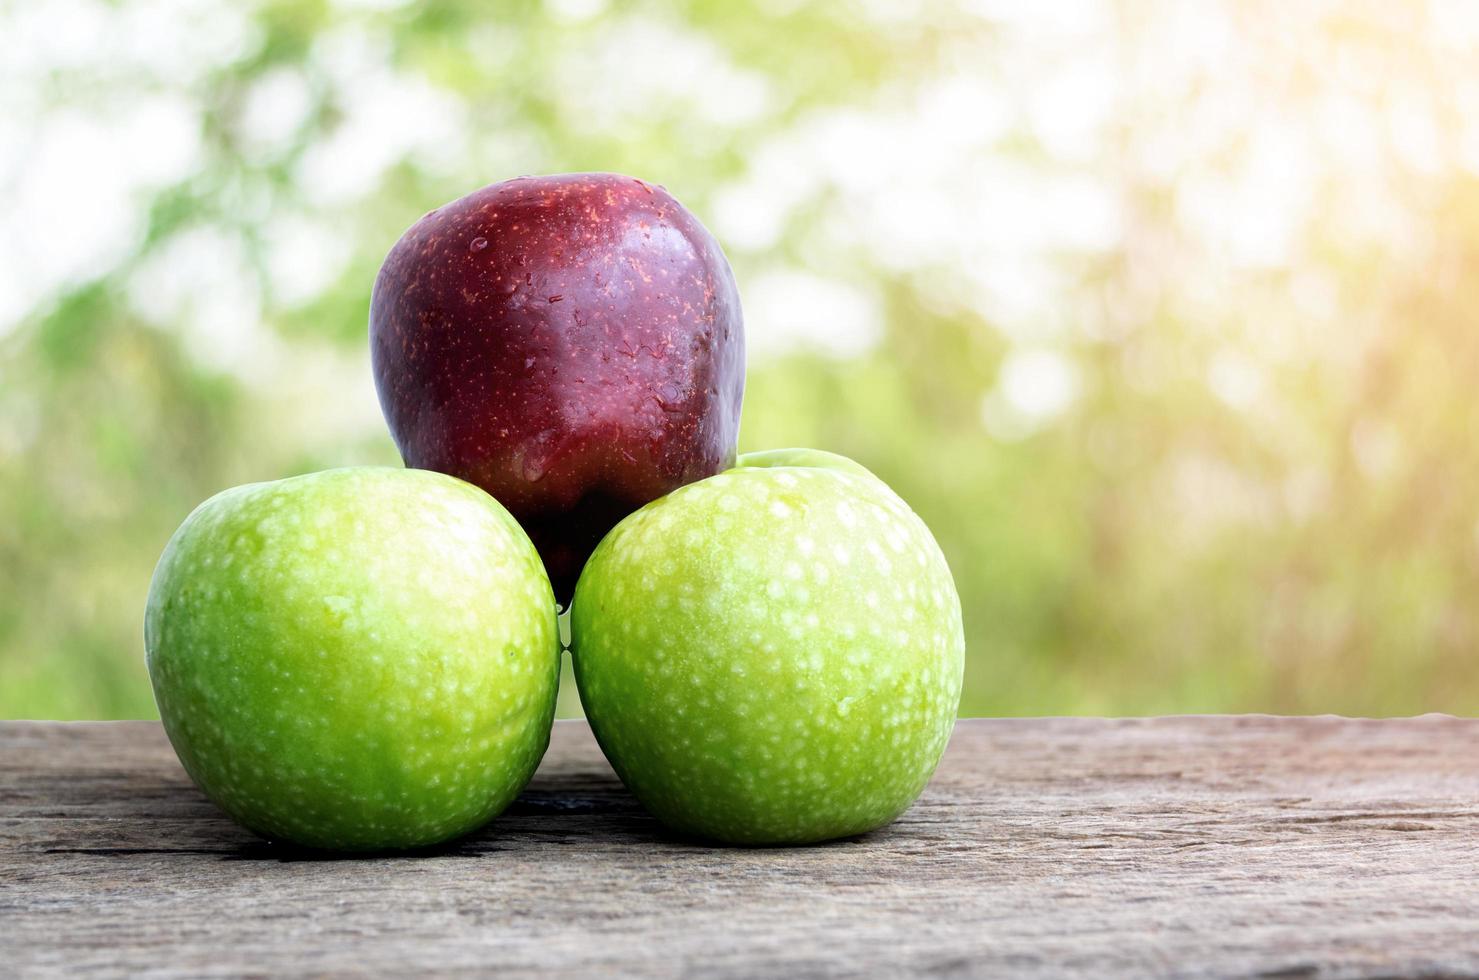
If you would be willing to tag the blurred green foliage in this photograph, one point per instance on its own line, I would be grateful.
(1206, 467)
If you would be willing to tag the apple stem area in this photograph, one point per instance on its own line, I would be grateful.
(1043, 847)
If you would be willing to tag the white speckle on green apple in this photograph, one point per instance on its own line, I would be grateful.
(772, 655)
(359, 659)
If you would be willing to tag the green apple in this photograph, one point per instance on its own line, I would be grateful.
(359, 659)
(772, 655)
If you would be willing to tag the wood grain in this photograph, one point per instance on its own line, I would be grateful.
(1221, 846)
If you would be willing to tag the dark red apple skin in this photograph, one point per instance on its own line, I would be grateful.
(572, 344)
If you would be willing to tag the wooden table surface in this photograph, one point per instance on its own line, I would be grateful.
(1276, 847)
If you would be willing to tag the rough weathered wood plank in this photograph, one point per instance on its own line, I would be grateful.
(1178, 846)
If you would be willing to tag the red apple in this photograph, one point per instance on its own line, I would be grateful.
(571, 344)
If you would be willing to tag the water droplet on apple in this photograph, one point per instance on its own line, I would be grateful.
(477, 244)
(539, 454)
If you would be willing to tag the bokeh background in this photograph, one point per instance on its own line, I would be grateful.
(1164, 316)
